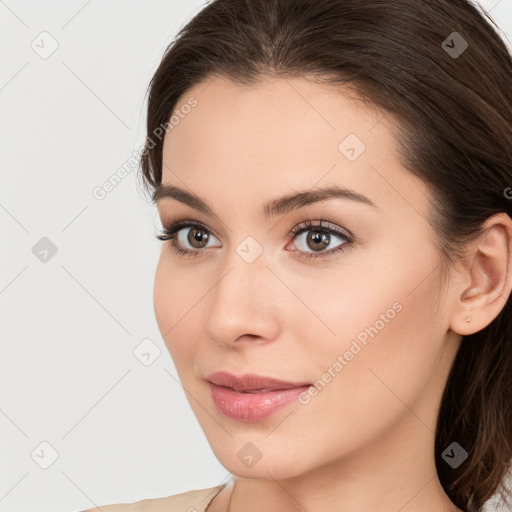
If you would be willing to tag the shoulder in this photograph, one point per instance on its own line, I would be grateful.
(191, 501)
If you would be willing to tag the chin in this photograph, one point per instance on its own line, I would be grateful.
(257, 456)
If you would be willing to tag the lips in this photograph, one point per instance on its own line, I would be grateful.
(252, 383)
(252, 397)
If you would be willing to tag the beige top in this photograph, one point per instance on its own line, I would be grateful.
(191, 501)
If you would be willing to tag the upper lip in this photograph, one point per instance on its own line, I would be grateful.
(251, 382)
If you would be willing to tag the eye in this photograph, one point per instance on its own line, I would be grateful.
(319, 237)
(191, 238)
(186, 233)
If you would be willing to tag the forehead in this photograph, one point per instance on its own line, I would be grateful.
(282, 135)
(297, 104)
(289, 119)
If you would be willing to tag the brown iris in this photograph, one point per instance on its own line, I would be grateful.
(196, 236)
(317, 237)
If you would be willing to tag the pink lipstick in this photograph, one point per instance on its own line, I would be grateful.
(252, 397)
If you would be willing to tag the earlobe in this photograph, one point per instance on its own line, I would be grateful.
(489, 269)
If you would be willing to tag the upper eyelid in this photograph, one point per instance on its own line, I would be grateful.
(323, 224)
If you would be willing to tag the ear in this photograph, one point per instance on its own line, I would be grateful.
(487, 281)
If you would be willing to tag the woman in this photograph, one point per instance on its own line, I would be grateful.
(334, 181)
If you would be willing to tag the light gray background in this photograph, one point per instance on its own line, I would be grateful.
(123, 431)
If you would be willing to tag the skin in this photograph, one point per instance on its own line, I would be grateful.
(366, 441)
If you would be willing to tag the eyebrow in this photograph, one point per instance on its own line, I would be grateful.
(273, 207)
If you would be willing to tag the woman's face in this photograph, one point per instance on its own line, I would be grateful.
(355, 307)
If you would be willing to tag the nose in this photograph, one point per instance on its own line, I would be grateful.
(243, 305)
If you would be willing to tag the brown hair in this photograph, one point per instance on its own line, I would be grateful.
(455, 116)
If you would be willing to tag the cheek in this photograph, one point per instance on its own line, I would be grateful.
(173, 302)
(381, 324)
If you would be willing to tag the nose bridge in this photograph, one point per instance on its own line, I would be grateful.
(245, 263)
(244, 277)
(240, 302)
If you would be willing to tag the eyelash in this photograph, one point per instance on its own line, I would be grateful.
(169, 233)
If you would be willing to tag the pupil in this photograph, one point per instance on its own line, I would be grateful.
(319, 238)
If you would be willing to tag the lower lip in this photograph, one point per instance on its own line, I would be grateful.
(252, 406)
